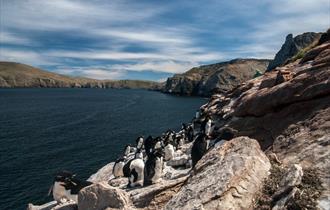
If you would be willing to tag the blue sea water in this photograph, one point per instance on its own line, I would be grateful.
(43, 131)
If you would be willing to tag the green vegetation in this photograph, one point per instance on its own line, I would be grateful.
(302, 52)
(257, 74)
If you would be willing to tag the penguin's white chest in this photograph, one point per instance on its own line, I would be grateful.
(158, 170)
(118, 169)
(208, 128)
(169, 152)
(60, 193)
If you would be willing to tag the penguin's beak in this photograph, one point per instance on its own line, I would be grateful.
(50, 190)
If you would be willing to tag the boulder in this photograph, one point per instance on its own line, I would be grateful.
(227, 177)
(103, 174)
(305, 86)
(53, 206)
(100, 196)
(154, 197)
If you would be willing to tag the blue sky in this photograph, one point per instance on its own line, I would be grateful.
(151, 40)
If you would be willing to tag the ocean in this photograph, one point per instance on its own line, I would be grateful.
(43, 131)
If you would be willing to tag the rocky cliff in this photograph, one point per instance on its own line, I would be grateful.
(20, 75)
(280, 159)
(220, 77)
(294, 46)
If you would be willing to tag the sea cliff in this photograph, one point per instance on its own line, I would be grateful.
(220, 77)
(16, 75)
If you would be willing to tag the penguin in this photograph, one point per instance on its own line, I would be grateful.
(184, 127)
(208, 127)
(190, 133)
(127, 150)
(199, 148)
(158, 143)
(197, 115)
(139, 142)
(169, 152)
(148, 144)
(118, 167)
(136, 171)
(66, 187)
(153, 167)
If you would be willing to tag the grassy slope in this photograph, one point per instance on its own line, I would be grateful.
(21, 75)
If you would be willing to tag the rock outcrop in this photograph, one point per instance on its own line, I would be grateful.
(20, 75)
(292, 46)
(227, 177)
(205, 80)
(287, 111)
(101, 196)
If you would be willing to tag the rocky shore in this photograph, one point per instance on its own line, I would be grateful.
(280, 158)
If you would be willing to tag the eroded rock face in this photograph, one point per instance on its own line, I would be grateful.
(103, 174)
(289, 116)
(227, 177)
(291, 47)
(100, 196)
(205, 80)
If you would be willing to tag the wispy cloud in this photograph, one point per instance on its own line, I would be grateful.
(25, 56)
(92, 73)
(11, 38)
(108, 39)
(163, 66)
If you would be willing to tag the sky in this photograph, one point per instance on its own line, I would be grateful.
(149, 40)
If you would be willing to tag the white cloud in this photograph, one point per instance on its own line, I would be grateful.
(134, 35)
(285, 17)
(162, 66)
(93, 73)
(25, 56)
(72, 14)
(105, 55)
(11, 38)
(138, 35)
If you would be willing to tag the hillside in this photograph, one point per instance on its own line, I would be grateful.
(219, 77)
(21, 75)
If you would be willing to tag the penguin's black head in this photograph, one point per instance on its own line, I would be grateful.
(159, 153)
(149, 139)
(63, 176)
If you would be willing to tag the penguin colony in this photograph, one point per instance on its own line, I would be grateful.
(143, 163)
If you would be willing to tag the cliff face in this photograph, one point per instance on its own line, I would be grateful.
(205, 80)
(288, 111)
(20, 75)
(292, 46)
